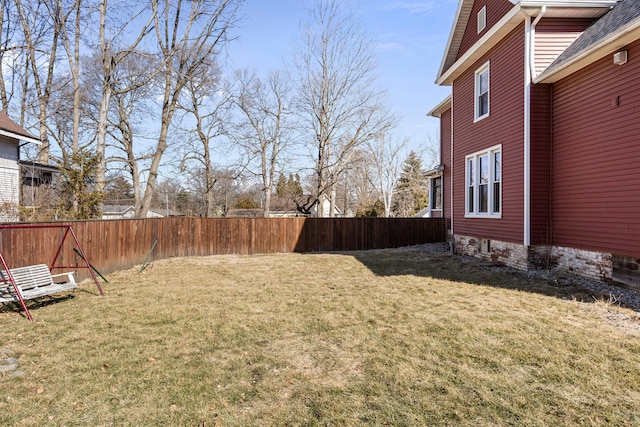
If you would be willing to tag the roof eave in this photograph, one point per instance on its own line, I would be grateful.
(454, 27)
(443, 106)
(38, 166)
(19, 137)
(569, 3)
(496, 33)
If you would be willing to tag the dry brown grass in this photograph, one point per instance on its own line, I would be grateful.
(393, 337)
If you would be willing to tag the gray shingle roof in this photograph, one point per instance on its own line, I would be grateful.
(625, 12)
(116, 208)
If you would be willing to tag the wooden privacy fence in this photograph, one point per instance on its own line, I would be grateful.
(119, 244)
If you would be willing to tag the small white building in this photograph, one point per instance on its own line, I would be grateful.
(326, 208)
(10, 136)
(128, 212)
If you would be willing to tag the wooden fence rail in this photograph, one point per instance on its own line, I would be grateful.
(119, 244)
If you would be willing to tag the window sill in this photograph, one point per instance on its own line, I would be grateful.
(483, 216)
(478, 119)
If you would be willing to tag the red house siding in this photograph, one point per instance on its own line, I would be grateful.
(503, 126)
(596, 153)
(445, 159)
(540, 176)
(496, 9)
(553, 36)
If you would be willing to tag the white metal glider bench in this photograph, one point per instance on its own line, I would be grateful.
(33, 281)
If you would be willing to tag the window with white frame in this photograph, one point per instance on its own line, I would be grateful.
(482, 19)
(436, 193)
(482, 92)
(484, 183)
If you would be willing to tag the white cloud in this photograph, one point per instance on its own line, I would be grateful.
(412, 7)
(390, 46)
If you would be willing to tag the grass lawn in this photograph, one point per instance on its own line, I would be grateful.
(390, 337)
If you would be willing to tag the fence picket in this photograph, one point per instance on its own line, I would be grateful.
(113, 245)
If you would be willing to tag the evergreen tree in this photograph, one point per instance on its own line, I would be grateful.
(281, 185)
(246, 203)
(79, 182)
(294, 188)
(412, 190)
(118, 191)
(288, 187)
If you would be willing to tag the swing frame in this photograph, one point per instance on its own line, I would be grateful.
(68, 229)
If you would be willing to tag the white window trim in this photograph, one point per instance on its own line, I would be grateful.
(432, 195)
(476, 92)
(482, 19)
(476, 196)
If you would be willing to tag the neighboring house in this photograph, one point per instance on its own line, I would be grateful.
(162, 213)
(326, 208)
(118, 212)
(284, 207)
(540, 138)
(10, 136)
(127, 211)
(37, 185)
(245, 213)
(434, 210)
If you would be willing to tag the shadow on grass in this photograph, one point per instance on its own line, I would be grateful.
(34, 304)
(458, 268)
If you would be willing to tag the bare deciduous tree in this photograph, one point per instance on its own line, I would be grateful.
(113, 51)
(8, 48)
(189, 34)
(386, 155)
(41, 44)
(263, 131)
(339, 97)
(131, 102)
(208, 104)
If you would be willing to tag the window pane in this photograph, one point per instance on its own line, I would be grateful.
(482, 93)
(497, 166)
(471, 172)
(484, 82)
(483, 104)
(496, 197)
(470, 200)
(437, 193)
(483, 193)
(484, 169)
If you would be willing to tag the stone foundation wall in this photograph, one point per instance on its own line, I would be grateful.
(465, 245)
(511, 254)
(596, 265)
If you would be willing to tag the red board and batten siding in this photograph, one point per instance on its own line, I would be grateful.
(596, 157)
(503, 126)
(445, 159)
(496, 9)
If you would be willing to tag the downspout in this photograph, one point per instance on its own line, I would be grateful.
(532, 62)
(451, 157)
(529, 69)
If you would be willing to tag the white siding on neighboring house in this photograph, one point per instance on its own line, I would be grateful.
(8, 193)
(9, 180)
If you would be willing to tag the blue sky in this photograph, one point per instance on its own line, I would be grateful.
(410, 35)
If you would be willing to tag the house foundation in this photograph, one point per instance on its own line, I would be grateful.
(591, 264)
